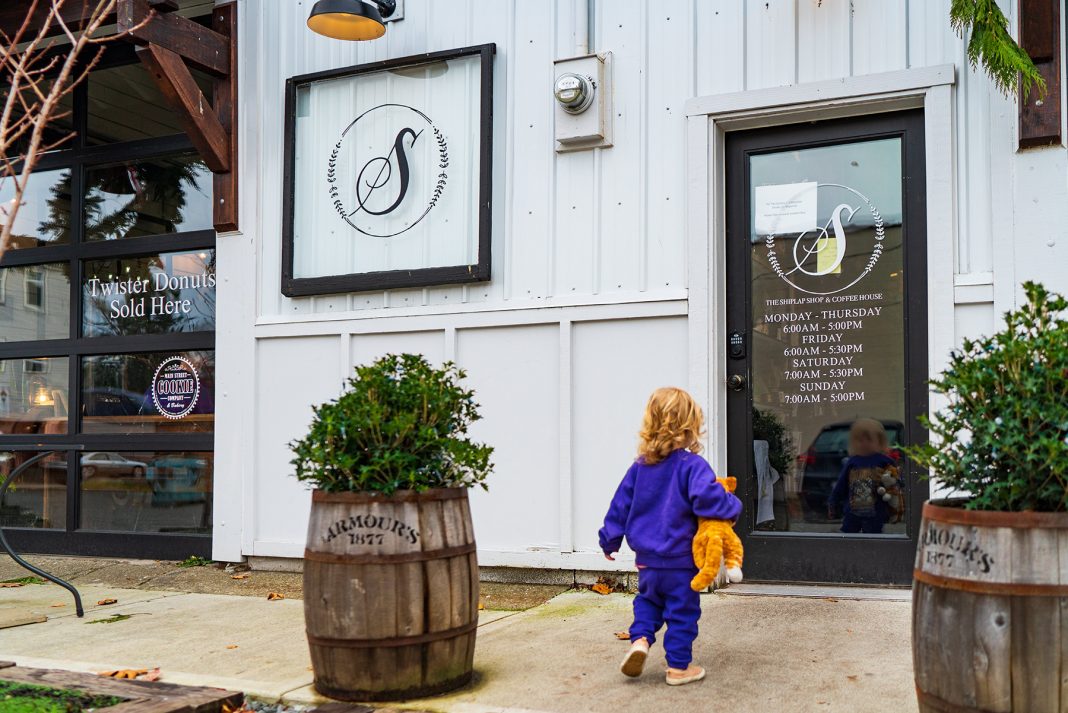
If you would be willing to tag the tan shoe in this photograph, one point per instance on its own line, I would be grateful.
(680, 677)
(634, 661)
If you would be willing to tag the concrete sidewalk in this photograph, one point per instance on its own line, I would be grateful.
(763, 652)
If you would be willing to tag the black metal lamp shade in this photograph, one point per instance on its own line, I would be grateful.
(349, 19)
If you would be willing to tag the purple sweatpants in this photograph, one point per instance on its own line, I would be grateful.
(665, 597)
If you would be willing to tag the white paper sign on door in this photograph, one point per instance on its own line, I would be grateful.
(784, 209)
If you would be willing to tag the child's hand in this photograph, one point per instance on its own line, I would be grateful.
(609, 557)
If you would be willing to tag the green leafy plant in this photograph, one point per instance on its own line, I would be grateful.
(991, 45)
(768, 427)
(1002, 440)
(400, 425)
(195, 561)
(18, 697)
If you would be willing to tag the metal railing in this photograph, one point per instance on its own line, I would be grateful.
(3, 540)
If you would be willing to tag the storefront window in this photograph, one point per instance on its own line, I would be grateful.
(147, 491)
(35, 302)
(44, 216)
(162, 392)
(154, 294)
(151, 197)
(828, 342)
(115, 369)
(38, 496)
(33, 396)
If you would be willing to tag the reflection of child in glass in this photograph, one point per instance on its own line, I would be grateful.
(868, 490)
(656, 507)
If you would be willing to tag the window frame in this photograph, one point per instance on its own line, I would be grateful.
(79, 157)
(39, 282)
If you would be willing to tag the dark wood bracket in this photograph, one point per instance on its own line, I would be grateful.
(1040, 38)
(167, 44)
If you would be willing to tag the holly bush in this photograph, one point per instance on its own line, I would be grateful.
(1002, 440)
(400, 425)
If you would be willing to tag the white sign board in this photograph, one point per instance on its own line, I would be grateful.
(785, 209)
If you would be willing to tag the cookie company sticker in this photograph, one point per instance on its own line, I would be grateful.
(175, 387)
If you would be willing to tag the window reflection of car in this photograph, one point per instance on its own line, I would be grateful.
(178, 478)
(111, 464)
(822, 462)
(106, 401)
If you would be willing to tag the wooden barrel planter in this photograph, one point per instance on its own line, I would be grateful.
(990, 611)
(390, 593)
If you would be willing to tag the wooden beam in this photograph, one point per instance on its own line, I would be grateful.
(74, 13)
(1040, 37)
(194, 111)
(224, 184)
(200, 46)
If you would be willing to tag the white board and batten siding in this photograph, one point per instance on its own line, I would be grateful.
(587, 309)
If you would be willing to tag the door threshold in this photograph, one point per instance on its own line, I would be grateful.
(819, 591)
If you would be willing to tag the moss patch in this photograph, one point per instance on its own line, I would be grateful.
(18, 697)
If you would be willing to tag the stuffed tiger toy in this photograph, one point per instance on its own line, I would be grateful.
(714, 542)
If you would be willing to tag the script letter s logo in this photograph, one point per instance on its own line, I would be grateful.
(822, 238)
(385, 173)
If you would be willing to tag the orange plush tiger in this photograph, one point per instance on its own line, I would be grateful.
(716, 541)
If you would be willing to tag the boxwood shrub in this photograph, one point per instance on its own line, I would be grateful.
(401, 424)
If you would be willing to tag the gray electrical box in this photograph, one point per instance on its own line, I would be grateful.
(582, 92)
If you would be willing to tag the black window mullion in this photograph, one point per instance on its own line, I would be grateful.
(73, 491)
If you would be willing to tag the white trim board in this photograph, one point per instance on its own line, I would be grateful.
(708, 121)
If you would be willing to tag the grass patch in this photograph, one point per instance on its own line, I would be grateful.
(17, 697)
(194, 561)
(24, 580)
(107, 620)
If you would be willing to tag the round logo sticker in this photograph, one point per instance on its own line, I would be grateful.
(175, 387)
(813, 261)
(387, 170)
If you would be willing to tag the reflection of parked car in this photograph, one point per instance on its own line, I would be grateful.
(175, 479)
(106, 463)
(823, 461)
(104, 401)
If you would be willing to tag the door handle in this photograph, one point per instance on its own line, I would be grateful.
(736, 382)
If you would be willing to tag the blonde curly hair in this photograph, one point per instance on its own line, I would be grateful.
(672, 420)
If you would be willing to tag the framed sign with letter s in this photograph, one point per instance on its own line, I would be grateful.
(387, 174)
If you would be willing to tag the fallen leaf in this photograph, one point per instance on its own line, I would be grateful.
(481, 606)
(239, 576)
(152, 675)
(105, 602)
(56, 606)
(852, 678)
(10, 585)
(623, 635)
(242, 708)
(130, 673)
(601, 588)
(232, 646)
(830, 599)
(272, 596)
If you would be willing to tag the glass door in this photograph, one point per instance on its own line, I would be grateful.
(827, 345)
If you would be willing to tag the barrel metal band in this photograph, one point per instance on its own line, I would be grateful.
(943, 706)
(398, 558)
(1022, 589)
(394, 642)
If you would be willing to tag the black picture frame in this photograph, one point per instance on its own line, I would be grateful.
(479, 271)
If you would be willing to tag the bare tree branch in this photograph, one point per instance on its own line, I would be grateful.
(37, 80)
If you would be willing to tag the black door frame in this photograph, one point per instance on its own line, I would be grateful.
(828, 557)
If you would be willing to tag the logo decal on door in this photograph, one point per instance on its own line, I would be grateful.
(819, 256)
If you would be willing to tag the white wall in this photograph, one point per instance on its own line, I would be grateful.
(587, 308)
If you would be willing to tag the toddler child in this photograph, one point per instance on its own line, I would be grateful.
(656, 508)
(869, 483)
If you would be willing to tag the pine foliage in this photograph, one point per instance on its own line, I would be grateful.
(991, 45)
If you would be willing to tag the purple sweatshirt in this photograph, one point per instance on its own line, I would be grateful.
(656, 507)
